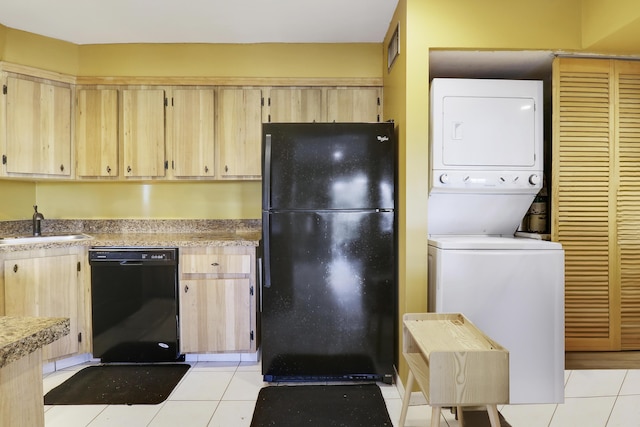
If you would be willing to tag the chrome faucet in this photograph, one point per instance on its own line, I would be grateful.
(37, 219)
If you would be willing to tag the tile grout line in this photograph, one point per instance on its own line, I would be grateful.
(616, 399)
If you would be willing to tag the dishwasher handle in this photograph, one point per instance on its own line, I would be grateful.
(128, 262)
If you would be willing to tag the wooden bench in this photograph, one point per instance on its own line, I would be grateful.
(455, 364)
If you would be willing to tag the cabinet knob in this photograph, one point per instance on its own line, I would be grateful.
(226, 168)
(15, 268)
(108, 169)
(61, 168)
(215, 264)
(206, 169)
(186, 289)
(129, 169)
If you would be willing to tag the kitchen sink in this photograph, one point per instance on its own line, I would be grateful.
(21, 240)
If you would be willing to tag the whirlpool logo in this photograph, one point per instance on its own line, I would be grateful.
(382, 138)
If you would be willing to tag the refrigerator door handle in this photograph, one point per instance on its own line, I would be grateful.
(266, 174)
(266, 255)
(260, 279)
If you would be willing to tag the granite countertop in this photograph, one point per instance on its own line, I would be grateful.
(213, 238)
(20, 336)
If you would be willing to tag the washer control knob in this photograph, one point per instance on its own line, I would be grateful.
(534, 179)
(444, 178)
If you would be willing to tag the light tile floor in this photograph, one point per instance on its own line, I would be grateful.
(223, 394)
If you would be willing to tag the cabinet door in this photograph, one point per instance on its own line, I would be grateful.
(295, 105)
(627, 77)
(97, 132)
(143, 132)
(353, 105)
(45, 287)
(38, 128)
(193, 132)
(240, 132)
(583, 192)
(215, 315)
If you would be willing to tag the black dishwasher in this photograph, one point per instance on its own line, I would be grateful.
(134, 304)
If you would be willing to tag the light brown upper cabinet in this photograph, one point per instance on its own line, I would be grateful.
(239, 133)
(38, 127)
(295, 105)
(193, 132)
(97, 133)
(134, 131)
(353, 105)
(143, 132)
(596, 200)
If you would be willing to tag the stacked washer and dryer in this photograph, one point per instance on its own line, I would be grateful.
(486, 169)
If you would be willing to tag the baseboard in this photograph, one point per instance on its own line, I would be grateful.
(575, 360)
(79, 359)
(67, 362)
(223, 357)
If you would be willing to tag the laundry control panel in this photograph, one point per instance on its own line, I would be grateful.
(450, 180)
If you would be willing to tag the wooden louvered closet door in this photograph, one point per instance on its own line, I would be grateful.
(583, 200)
(627, 74)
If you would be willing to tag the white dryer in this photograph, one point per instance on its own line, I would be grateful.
(513, 290)
(486, 162)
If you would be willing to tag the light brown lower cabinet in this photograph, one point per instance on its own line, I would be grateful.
(217, 299)
(21, 392)
(49, 283)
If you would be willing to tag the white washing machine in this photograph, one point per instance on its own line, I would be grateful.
(513, 290)
(486, 167)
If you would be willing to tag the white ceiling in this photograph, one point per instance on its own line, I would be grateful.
(201, 21)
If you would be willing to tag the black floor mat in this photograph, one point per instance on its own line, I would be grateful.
(481, 419)
(358, 405)
(143, 384)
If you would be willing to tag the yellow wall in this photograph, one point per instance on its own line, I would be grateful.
(225, 60)
(3, 39)
(607, 23)
(17, 199)
(166, 200)
(40, 52)
(499, 24)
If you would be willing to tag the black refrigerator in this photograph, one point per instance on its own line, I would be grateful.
(328, 252)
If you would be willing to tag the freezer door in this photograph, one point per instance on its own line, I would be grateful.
(328, 166)
(328, 303)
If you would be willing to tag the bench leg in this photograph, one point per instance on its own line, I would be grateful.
(435, 416)
(405, 399)
(493, 415)
(460, 415)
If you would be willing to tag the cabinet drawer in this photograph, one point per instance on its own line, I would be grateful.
(216, 264)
